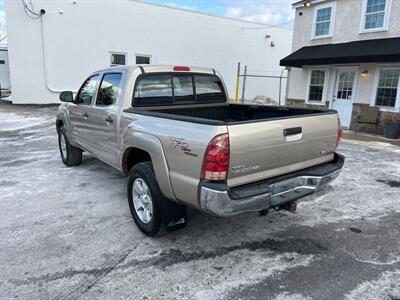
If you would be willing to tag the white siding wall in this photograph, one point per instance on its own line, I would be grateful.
(79, 41)
(4, 70)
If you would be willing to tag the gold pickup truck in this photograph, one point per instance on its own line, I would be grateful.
(173, 131)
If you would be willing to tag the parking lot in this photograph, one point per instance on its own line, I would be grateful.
(68, 233)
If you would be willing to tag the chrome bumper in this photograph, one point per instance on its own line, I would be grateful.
(219, 200)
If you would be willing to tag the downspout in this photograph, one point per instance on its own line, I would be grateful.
(49, 88)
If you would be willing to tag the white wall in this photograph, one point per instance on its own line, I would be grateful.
(4, 70)
(79, 41)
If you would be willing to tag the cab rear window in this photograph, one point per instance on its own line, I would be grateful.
(175, 88)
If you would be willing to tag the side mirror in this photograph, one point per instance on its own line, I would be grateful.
(67, 96)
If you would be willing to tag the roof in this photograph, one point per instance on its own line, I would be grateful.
(210, 15)
(155, 69)
(302, 2)
(365, 51)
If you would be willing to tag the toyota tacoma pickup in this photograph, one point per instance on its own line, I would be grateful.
(173, 131)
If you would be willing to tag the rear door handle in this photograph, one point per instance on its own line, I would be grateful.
(86, 115)
(109, 120)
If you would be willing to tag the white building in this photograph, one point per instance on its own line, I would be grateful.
(68, 39)
(4, 70)
(346, 54)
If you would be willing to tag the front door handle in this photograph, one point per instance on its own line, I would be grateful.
(109, 120)
(86, 115)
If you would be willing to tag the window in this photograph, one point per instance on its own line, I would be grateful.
(118, 59)
(2, 62)
(317, 82)
(109, 89)
(142, 60)
(323, 21)
(375, 13)
(345, 85)
(386, 93)
(183, 88)
(87, 91)
(154, 89)
(161, 89)
(209, 88)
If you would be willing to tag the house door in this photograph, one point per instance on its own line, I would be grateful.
(344, 94)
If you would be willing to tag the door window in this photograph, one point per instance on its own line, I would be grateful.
(88, 90)
(109, 89)
(345, 85)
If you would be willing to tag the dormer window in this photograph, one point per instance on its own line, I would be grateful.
(375, 15)
(324, 16)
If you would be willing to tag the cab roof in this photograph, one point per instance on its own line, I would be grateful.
(160, 69)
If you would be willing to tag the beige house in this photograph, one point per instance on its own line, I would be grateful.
(346, 54)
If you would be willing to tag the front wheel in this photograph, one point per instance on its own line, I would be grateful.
(70, 155)
(151, 211)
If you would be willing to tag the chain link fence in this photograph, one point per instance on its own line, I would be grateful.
(260, 86)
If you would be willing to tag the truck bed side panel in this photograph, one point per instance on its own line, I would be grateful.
(184, 145)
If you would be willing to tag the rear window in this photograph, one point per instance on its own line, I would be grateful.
(152, 90)
(164, 89)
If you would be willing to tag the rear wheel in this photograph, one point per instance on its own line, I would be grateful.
(70, 155)
(151, 211)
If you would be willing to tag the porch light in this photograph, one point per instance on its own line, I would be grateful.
(364, 74)
(307, 4)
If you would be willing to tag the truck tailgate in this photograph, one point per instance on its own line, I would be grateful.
(265, 149)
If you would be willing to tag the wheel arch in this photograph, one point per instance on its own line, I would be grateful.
(145, 147)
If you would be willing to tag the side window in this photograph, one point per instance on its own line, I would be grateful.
(317, 83)
(388, 85)
(375, 14)
(109, 89)
(324, 17)
(87, 91)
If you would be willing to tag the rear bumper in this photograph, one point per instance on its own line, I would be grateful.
(220, 200)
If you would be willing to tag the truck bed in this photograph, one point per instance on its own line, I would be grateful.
(230, 113)
(265, 141)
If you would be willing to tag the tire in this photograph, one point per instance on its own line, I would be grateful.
(165, 216)
(70, 155)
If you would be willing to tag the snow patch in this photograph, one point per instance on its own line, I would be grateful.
(243, 274)
(387, 287)
(13, 121)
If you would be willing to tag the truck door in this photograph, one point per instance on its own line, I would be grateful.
(103, 121)
(80, 113)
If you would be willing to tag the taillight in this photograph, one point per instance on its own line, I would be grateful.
(339, 136)
(181, 68)
(216, 159)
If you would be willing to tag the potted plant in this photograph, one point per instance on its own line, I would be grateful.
(391, 122)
